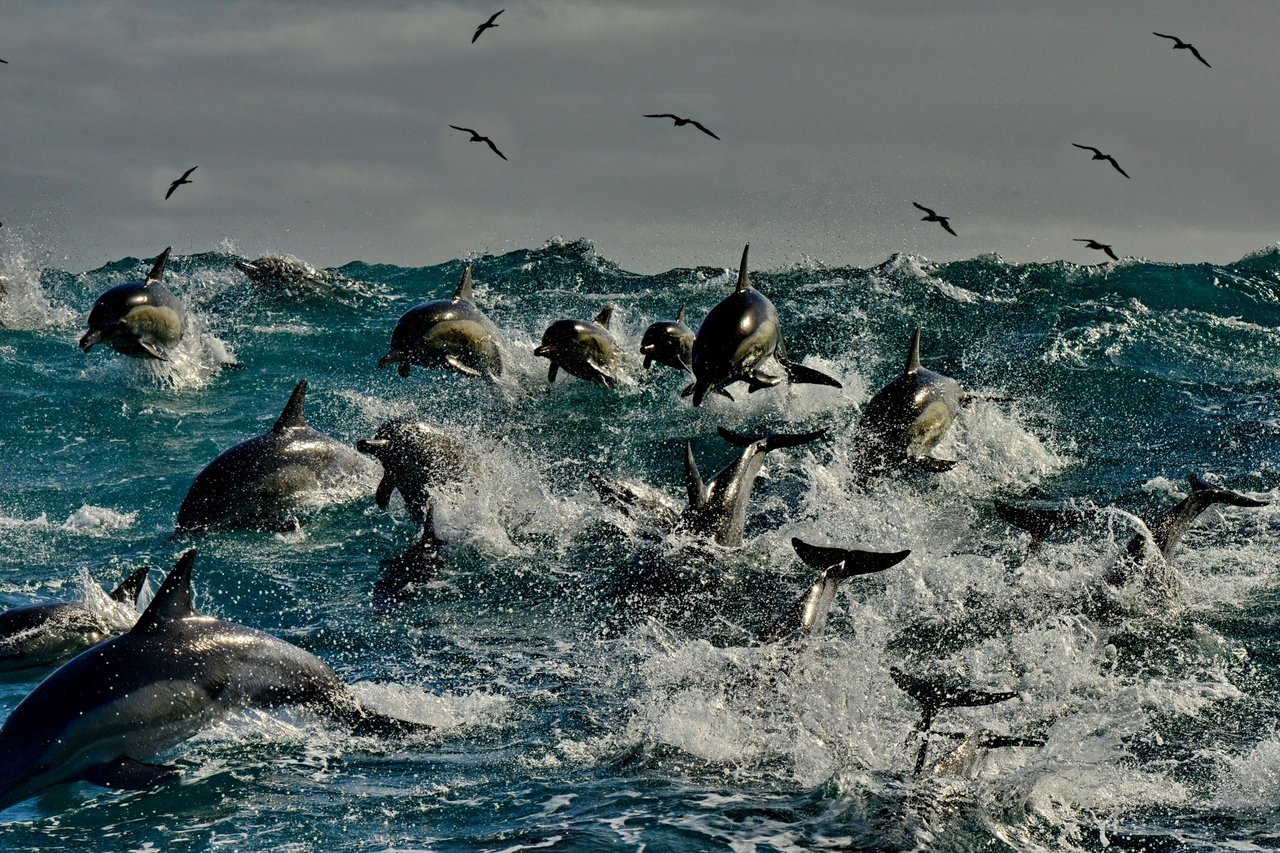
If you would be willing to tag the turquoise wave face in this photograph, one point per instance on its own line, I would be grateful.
(577, 711)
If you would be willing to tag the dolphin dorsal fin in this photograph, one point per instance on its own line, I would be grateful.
(744, 281)
(464, 286)
(173, 599)
(605, 315)
(129, 589)
(913, 353)
(693, 479)
(680, 316)
(157, 269)
(292, 415)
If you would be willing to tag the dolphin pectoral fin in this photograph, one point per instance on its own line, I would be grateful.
(759, 380)
(383, 496)
(452, 361)
(152, 350)
(648, 362)
(801, 375)
(404, 369)
(968, 399)
(129, 774)
(552, 371)
(930, 464)
(687, 391)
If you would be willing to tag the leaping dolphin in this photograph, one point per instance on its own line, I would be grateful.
(586, 350)
(47, 634)
(416, 457)
(670, 343)
(139, 318)
(451, 333)
(103, 715)
(736, 338)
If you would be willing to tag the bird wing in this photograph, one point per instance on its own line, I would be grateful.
(699, 126)
(494, 16)
(479, 30)
(925, 209)
(1197, 55)
(1087, 147)
(4, 61)
(1110, 253)
(1117, 165)
(464, 129)
(662, 115)
(495, 148)
(1081, 240)
(946, 223)
(173, 186)
(1163, 36)
(187, 173)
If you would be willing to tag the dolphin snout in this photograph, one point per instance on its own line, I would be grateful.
(372, 446)
(91, 339)
(390, 358)
(545, 350)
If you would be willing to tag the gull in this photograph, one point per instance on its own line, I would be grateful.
(476, 137)
(1094, 244)
(180, 181)
(944, 221)
(1098, 155)
(487, 25)
(681, 122)
(1179, 44)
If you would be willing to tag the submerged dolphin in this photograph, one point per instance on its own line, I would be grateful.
(807, 617)
(1137, 570)
(50, 633)
(285, 272)
(104, 714)
(256, 483)
(451, 333)
(736, 338)
(719, 506)
(139, 319)
(906, 418)
(586, 350)
(420, 564)
(670, 343)
(416, 458)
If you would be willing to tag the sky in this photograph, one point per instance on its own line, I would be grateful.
(321, 129)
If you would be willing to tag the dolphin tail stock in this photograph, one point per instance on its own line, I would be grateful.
(131, 587)
(1167, 530)
(157, 269)
(770, 440)
(293, 416)
(841, 564)
(1042, 523)
(1218, 495)
(798, 374)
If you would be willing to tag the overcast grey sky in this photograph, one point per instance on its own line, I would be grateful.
(321, 129)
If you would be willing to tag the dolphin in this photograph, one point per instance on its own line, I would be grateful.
(416, 458)
(807, 617)
(586, 350)
(46, 634)
(284, 272)
(1137, 568)
(449, 333)
(736, 338)
(935, 694)
(719, 507)
(254, 484)
(420, 564)
(139, 319)
(669, 343)
(101, 716)
(906, 418)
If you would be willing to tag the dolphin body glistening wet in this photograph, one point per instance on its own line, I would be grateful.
(47, 634)
(669, 342)
(416, 457)
(140, 318)
(257, 483)
(105, 714)
(736, 338)
(586, 350)
(449, 333)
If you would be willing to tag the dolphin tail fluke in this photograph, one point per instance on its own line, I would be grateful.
(770, 440)
(130, 774)
(801, 375)
(605, 315)
(292, 416)
(913, 353)
(464, 286)
(157, 269)
(129, 589)
(1219, 495)
(744, 281)
(841, 563)
(1042, 523)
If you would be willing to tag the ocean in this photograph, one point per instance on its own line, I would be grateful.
(577, 710)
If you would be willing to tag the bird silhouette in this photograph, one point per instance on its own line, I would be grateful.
(1179, 44)
(476, 137)
(487, 25)
(180, 181)
(1101, 247)
(944, 221)
(4, 62)
(1098, 155)
(681, 122)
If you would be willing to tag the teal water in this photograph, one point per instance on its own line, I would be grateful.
(573, 715)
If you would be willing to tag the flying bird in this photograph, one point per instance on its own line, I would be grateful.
(487, 25)
(476, 137)
(944, 221)
(681, 122)
(1179, 44)
(4, 61)
(1094, 244)
(180, 181)
(1098, 155)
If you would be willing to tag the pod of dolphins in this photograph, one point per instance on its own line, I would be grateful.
(132, 686)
